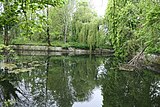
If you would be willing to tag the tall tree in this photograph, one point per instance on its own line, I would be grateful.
(48, 34)
(61, 20)
(8, 18)
(20, 8)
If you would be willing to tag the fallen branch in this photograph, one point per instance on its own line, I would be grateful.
(134, 61)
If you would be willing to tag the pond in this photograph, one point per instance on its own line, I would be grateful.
(75, 81)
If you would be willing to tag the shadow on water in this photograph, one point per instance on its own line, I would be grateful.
(9, 93)
(76, 81)
(131, 89)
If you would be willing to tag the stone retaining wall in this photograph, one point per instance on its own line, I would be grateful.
(60, 49)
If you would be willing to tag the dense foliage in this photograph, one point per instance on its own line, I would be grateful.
(133, 25)
(128, 26)
(21, 19)
(86, 27)
(76, 23)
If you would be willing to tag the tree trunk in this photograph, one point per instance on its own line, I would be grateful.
(48, 35)
(65, 33)
(6, 36)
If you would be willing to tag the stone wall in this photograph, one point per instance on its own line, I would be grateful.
(70, 50)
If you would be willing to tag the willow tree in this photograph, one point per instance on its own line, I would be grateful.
(86, 26)
(149, 27)
(81, 18)
(93, 34)
(121, 18)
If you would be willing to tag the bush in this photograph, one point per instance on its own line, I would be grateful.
(105, 47)
(20, 40)
(65, 46)
(153, 50)
(78, 45)
(70, 44)
(57, 43)
(1, 39)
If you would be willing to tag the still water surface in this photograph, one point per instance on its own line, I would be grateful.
(76, 81)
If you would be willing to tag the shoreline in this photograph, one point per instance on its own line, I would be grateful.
(52, 49)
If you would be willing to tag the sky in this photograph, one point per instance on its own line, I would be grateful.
(99, 6)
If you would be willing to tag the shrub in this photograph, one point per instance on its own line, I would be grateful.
(78, 45)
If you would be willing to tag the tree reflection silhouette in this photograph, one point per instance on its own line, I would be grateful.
(130, 89)
(8, 90)
(72, 79)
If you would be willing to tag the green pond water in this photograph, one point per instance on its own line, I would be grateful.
(75, 81)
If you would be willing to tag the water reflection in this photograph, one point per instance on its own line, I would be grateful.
(55, 81)
(77, 78)
(95, 100)
(131, 89)
(77, 81)
(9, 93)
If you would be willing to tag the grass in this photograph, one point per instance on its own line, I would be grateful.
(70, 44)
(24, 40)
(78, 45)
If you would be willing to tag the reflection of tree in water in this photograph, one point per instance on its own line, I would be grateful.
(72, 79)
(35, 83)
(61, 81)
(30, 88)
(58, 81)
(84, 75)
(131, 89)
(8, 91)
